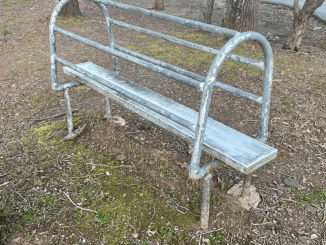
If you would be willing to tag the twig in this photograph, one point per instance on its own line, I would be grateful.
(102, 165)
(85, 176)
(153, 214)
(324, 212)
(18, 194)
(6, 183)
(51, 117)
(3, 175)
(85, 209)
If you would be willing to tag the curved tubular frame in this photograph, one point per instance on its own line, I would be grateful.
(53, 51)
(195, 172)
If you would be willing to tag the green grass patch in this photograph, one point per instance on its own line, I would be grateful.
(315, 196)
(5, 32)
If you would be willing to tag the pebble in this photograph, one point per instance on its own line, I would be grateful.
(304, 239)
(290, 211)
(291, 182)
(310, 209)
(313, 236)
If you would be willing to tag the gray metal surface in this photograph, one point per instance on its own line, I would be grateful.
(228, 145)
(205, 203)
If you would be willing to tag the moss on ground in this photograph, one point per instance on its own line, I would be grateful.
(124, 205)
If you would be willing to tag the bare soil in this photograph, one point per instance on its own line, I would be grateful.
(37, 169)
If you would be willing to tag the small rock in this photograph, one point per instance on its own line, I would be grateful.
(118, 120)
(135, 235)
(121, 157)
(291, 182)
(304, 239)
(252, 200)
(313, 236)
(290, 211)
(310, 210)
(17, 240)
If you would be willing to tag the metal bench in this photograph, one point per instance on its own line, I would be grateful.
(227, 145)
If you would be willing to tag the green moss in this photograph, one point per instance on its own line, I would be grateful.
(125, 205)
(80, 88)
(72, 21)
(43, 100)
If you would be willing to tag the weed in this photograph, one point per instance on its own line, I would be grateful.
(287, 102)
(103, 218)
(216, 238)
(166, 171)
(5, 32)
(80, 217)
(29, 218)
(50, 199)
(318, 195)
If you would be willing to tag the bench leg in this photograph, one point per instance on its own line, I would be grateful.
(108, 108)
(206, 195)
(69, 114)
(246, 185)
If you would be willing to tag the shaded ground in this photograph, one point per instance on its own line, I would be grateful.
(141, 195)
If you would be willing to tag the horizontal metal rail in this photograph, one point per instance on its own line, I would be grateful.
(190, 74)
(158, 69)
(238, 58)
(141, 101)
(175, 19)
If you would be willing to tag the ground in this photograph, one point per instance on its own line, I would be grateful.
(132, 177)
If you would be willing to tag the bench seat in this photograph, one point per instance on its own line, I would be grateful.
(236, 149)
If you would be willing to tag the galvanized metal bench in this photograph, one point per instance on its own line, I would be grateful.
(227, 145)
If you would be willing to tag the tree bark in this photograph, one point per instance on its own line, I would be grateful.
(241, 15)
(301, 18)
(71, 9)
(159, 4)
(209, 11)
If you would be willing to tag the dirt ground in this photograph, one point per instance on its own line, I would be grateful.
(133, 176)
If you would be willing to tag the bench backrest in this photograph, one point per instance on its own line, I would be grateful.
(204, 84)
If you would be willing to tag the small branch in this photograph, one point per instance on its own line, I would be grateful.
(84, 209)
(51, 117)
(3, 175)
(6, 183)
(102, 165)
(153, 214)
(18, 195)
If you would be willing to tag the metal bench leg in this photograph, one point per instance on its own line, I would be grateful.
(69, 114)
(246, 185)
(205, 201)
(108, 108)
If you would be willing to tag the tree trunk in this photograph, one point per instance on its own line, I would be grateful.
(301, 18)
(71, 9)
(209, 11)
(159, 4)
(241, 15)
